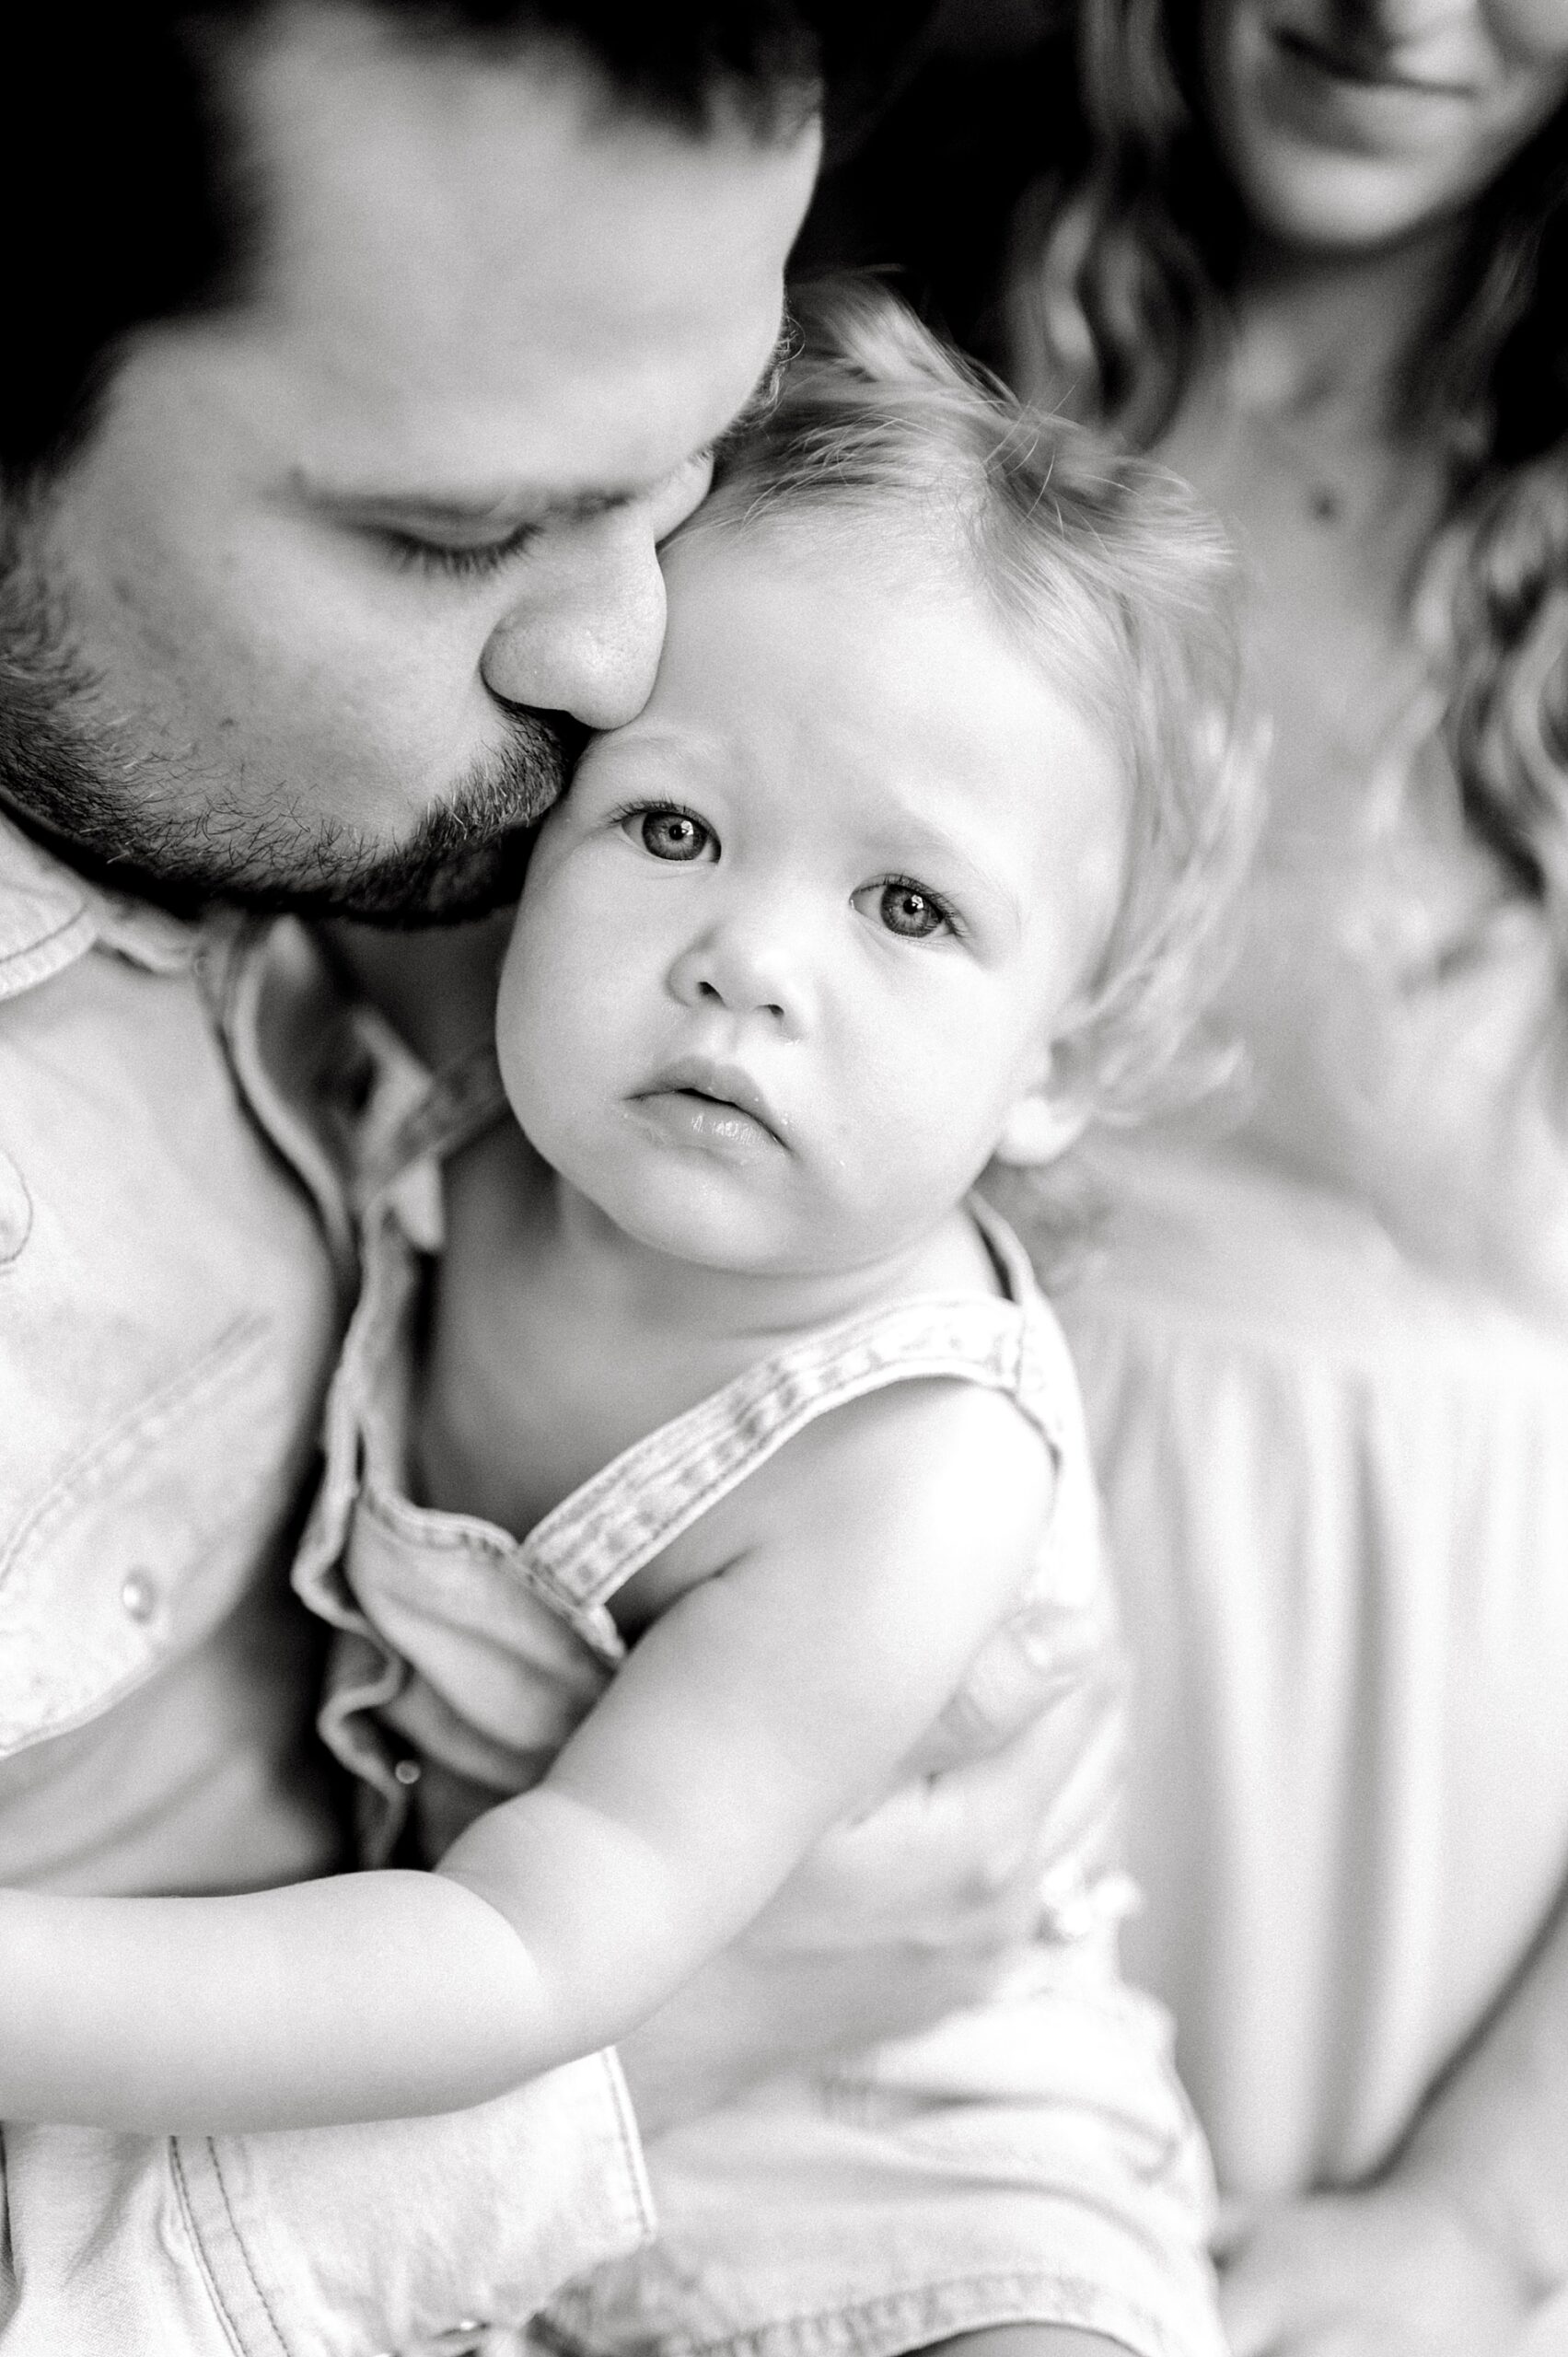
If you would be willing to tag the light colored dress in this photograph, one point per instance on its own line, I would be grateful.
(1032, 2159)
(1325, 1360)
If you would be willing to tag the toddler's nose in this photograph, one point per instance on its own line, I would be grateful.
(745, 970)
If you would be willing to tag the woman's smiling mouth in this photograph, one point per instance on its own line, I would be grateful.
(1366, 68)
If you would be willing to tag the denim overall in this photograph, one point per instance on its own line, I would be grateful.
(1032, 2159)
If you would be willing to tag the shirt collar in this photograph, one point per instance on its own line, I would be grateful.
(50, 916)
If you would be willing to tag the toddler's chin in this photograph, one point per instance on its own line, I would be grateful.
(708, 1219)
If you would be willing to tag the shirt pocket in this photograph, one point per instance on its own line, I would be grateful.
(144, 1538)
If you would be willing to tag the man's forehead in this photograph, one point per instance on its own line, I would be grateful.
(473, 214)
(457, 468)
(469, 253)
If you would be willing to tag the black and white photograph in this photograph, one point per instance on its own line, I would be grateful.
(784, 1179)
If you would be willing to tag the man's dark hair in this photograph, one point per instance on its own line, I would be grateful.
(116, 189)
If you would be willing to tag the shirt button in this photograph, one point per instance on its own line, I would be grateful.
(138, 1594)
(407, 1773)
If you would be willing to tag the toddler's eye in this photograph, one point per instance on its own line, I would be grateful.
(913, 914)
(671, 834)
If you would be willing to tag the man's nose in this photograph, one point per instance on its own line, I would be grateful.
(585, 634)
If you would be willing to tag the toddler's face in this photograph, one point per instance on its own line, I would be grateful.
(793, 949)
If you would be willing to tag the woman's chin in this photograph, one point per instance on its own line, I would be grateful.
(1329, 204)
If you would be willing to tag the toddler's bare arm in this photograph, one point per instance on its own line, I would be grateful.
(767, 1701)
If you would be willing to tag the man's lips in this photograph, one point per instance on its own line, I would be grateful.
(725, 1087)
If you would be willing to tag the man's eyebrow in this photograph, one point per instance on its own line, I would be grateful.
(517, 506)
(763, 398)
(499, 511)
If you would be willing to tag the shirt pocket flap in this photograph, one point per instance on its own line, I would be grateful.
(143, 1540)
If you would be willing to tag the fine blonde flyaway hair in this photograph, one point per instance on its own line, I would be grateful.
(1101, 568)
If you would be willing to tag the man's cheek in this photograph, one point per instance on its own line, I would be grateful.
(313, 676)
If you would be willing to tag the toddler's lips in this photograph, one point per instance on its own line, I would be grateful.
(717, 1106)
(683, 1117)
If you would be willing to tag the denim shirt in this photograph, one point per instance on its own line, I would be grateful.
(176, 1273)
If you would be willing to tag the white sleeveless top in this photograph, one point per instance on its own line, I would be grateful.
(1336, 1488)
(1325, 1359)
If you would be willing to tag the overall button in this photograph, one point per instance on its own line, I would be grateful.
(407, 1773)
(138, 1594)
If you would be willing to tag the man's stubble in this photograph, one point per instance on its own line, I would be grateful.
(146, 822)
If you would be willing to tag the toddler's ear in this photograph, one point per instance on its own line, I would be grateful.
(1041, 1126)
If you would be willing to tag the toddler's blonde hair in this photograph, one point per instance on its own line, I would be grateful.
(1103, 569)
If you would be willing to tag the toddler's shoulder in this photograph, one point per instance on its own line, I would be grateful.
(926, 1466)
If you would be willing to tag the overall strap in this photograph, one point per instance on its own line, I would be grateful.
(1048, 1380)
(596, 1539)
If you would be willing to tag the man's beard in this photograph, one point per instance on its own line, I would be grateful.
(140, 823)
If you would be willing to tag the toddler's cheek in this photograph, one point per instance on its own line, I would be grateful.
(523, 1041)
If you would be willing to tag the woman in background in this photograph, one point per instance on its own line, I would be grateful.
(1316, 253)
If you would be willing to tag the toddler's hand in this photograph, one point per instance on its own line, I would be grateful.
(1393, 2271)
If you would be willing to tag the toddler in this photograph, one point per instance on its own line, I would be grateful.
(739, 1427)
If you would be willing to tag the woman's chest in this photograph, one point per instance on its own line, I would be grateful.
(1388, 987)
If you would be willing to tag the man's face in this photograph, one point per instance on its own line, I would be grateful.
(299, 622)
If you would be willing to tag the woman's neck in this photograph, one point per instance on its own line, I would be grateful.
(1316, 333)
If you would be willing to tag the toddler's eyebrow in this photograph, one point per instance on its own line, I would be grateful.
(920, 846)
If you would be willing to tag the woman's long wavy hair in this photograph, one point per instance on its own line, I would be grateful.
(1117, 295)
